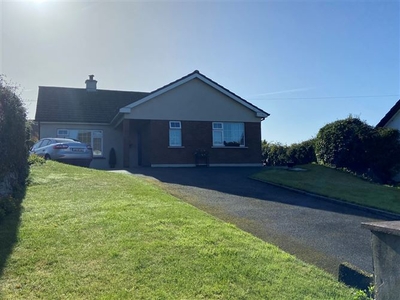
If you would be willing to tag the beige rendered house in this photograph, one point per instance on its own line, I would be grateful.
(190, 122)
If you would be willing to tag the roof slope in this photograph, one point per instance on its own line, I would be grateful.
(59, 104)
(389, 115)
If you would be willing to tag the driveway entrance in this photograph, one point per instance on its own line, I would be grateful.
(316, 231)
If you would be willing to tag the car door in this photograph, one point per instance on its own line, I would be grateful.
(41, 148)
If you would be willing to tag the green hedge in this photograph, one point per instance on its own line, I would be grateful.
(354, 145)
(276, 154)
(13, 149)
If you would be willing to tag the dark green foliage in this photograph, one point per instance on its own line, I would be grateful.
(112, 159)
(359, 147)
(384, 154)
(13, 150)
(13, 147)
(302, 153)
(276, 154)
(343, 144)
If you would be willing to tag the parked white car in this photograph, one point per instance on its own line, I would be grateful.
(64, 150)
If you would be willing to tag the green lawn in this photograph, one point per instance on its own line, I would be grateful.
(87, 234)
(335, 184)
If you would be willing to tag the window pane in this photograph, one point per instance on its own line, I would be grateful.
(97, 146)
(175, 124)
(234, 132)
(217, 125)
(175, 137)
(217, 137)
(85, 137)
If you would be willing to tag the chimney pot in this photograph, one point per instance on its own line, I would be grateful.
(91, 84)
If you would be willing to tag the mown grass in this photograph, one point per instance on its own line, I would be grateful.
(88, 234)
(336, 184)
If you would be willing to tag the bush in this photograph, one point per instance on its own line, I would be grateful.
(7, 206)
(354, 145)
(276, 154)
(36, 160)
(302, 153)
(384, 153)
(13, 148)
(112, 159)
(342, 144)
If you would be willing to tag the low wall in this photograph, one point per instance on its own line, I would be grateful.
(386, 258)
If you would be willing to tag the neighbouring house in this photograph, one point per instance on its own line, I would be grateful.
(191, 121)
(392, 120)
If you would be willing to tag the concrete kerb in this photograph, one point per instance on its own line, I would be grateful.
(375, 211)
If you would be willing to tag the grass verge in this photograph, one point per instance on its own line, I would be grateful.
(335, 184)
(88, 234)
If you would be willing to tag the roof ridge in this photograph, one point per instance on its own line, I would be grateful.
(84, 89)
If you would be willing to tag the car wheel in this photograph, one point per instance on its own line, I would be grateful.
(47, 157)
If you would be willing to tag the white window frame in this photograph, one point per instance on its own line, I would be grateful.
(175, 134)
(219, 134)
(94, 134)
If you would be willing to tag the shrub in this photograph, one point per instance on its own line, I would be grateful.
(7, 206)
(36, 160)
(112, 159)
(274, 154)
(302, 153)
(13, 148)
(342, 144)
(354, 145)
(384, 153)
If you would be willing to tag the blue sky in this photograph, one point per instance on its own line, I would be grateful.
(307, 63)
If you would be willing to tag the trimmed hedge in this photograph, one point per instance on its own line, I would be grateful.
(13, 149)
(276, 154)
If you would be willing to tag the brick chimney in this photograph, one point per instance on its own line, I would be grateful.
(91, 84)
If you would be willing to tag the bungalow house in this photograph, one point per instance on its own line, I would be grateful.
(392, 120)
(191, 121)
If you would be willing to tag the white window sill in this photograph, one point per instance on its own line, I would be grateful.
(230, 147)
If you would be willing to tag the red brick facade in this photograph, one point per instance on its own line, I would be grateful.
(149, 144)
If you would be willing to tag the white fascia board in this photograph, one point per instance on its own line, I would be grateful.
(262, 115)
(73, 123)
(128, 108)
(125, 110)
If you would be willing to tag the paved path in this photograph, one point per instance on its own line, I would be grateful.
(316, 231)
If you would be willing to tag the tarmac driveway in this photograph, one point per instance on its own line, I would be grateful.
(316, 231)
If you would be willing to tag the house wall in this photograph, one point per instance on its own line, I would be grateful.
(394, 121)
(112, 138)
(198, 135)
(195, 101)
